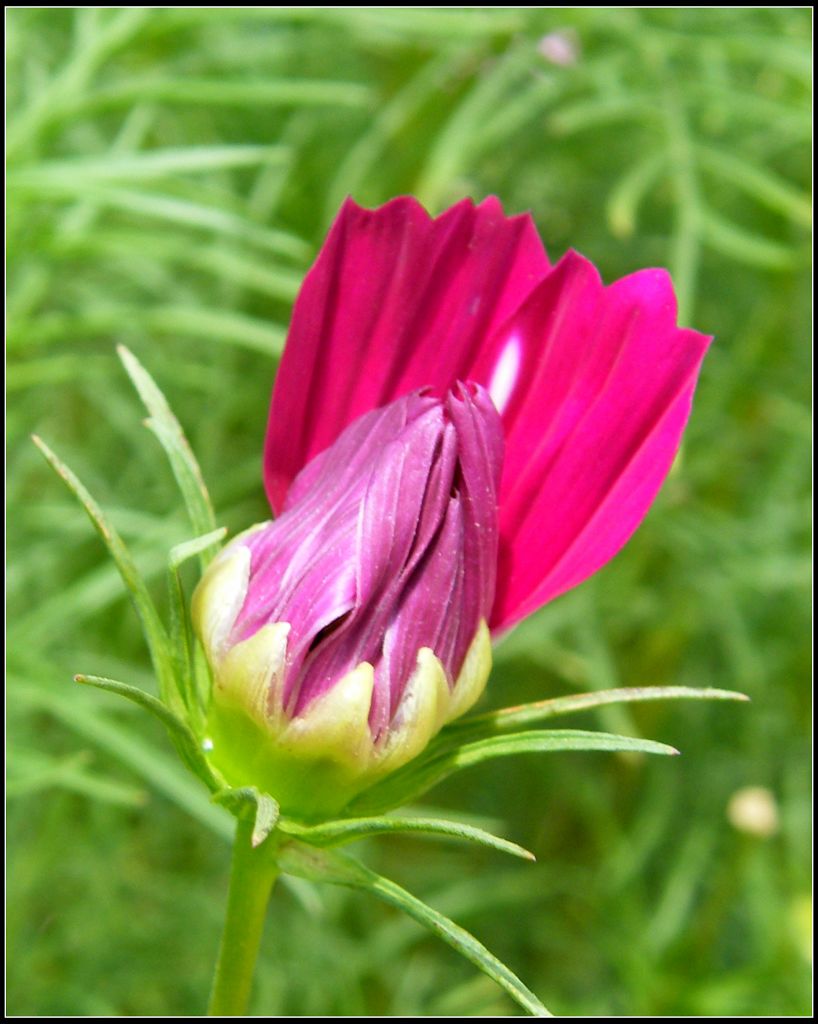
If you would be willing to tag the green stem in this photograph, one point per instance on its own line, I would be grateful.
(253, 872)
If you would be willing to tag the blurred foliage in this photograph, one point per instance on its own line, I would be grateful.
(171, 174)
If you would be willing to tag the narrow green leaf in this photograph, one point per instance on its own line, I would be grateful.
(219, 325)
(152, 625)
(758, 182)
(160, 770)
(454, 146)
(629, 192)
(263, 808)
(338, 869)
(53, 369)
(420, 775)
(389, 118)
(181, 553)
(183, 739)
(88, 595)
(51, 103)
(511, 118)
(398, 23)
(241, 93)
(171, 209)
(335, 833)
(744, 246)
(182, 460)
(788, 118)
(493, 722)
(604, 110)
(224, 327)
(223, 260)
(30, 772)
(190, 693)
(394, 24)
(147, 165)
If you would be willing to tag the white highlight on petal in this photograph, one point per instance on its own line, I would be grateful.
(506, 371)
(218, 598)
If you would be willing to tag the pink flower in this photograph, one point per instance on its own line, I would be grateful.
(459, 433)
(593, 384)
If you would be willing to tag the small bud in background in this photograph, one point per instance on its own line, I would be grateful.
(753, 810)
(560, 47)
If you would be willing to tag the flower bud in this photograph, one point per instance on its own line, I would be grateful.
(343, 635)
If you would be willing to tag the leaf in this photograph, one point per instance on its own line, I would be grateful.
(182, 460)
(763, 185)
(627, 195)
(30, 772)
(223, 260)
(263, 807)
(418, 776)
(152, 625)
(146, 166)
(183, 739)
(56, 98)
(160, 770)
(493, 722)
(389, 119)
(338, 869)
(242, 93)
(456, 142)
(334, 833)
(603, 110)
(192, 696)
(755, 250)
(226, 327)
(171, 209)
(181, 553)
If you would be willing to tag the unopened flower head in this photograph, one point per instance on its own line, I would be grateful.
(459, 433)
(343, 635)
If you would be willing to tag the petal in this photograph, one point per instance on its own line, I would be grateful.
(593, 413)
(481, 459)
(452, 589)
(395, 301)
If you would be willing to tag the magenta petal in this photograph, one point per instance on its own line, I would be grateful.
(396, 301)
(594, 410)
(432, 614)
(593, 386)
(452, 588)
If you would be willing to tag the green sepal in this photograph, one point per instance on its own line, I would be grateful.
(492, 723)
(336, 833)
(247, 802)
(155, 633)
(189, 676)
(164, 425)
(316, 865)
(182, 738)
(181, 553)
(426, 771)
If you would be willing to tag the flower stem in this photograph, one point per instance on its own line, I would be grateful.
(253, 872)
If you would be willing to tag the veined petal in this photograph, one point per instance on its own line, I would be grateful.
(396, 301)
(593, 418)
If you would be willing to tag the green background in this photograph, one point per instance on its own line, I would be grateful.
(171, 175)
